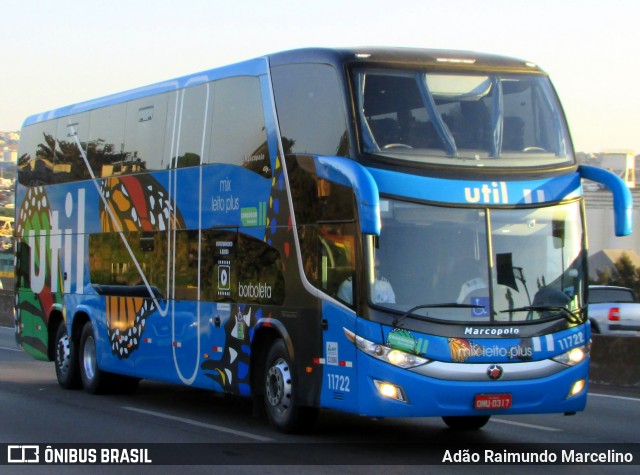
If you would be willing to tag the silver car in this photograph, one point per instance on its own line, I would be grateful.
(613, 310)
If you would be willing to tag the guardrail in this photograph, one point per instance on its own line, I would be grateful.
(615, 360)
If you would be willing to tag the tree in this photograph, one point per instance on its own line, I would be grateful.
(623, 273)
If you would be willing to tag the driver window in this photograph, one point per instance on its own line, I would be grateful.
(328, 258)
(337, 260)
(325, 216)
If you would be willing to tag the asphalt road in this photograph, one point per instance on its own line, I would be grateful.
(35, 410)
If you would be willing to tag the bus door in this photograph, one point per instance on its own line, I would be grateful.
(190, 141)
(338, 279)
(335, 200)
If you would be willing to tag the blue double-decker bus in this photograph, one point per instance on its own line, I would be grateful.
(385, 232)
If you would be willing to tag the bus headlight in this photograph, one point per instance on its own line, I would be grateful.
(573, 356)
(384, 353)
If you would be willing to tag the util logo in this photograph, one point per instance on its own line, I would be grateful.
(65, 240)
(498, 193)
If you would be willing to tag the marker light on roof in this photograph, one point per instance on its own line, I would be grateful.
(456, 60)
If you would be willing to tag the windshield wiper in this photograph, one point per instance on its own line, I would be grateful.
(409, 312)
(568, 314)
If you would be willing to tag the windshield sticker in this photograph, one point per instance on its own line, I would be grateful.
(402, 340)
(480, 306)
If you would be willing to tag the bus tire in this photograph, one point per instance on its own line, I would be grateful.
(94, 380)
(466, 422)
(66, 360)
(280, 403)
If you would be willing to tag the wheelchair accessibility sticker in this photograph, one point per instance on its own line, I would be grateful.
(480, 306)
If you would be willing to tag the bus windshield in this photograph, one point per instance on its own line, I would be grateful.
(477, 119)
(439, 258)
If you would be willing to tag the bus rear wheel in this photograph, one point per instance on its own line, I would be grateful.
(280, 403)
(66, 360)
(466, 422)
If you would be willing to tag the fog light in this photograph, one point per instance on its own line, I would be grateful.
(390, 391)
(577, 388)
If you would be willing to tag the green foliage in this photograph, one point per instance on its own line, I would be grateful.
(623, 273)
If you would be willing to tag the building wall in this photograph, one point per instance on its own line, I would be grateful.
(600, 225)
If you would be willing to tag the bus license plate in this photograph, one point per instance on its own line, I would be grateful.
(484, 402)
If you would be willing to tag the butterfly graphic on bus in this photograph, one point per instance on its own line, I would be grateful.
(462, 349)
(135, 203)
(126, 321)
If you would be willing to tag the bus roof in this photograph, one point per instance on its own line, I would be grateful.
(404, 57)
(409, 57)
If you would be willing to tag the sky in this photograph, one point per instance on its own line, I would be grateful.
(58, 52)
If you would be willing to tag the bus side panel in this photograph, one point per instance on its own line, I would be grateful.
(338, 360)
(130, 253)
(165, 337)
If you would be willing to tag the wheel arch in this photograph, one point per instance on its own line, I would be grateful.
(266, 331)
(79, 319)
(56, 318)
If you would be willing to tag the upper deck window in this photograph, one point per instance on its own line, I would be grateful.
(476, 119)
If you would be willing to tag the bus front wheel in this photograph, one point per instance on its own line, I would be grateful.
(281, 406)
(466, 422)
(93, 379)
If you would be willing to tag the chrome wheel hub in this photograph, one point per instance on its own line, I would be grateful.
(63, 353)
(89, 358)
(278, 386)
